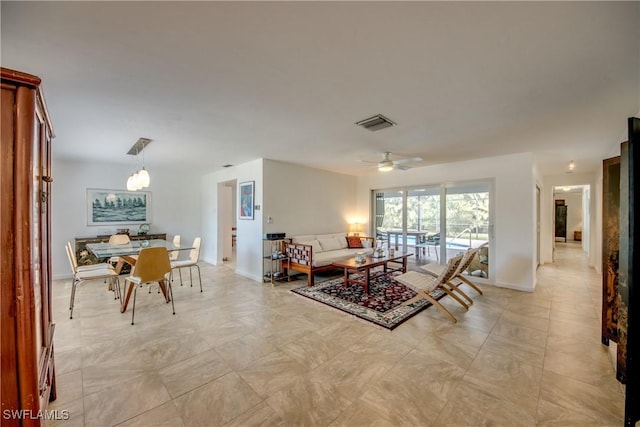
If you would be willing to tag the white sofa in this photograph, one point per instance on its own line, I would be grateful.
(311, 253)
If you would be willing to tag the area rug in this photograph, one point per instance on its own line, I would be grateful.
(382, 306)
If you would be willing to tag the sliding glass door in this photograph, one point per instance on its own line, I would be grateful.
(467, 222)
(436, 223)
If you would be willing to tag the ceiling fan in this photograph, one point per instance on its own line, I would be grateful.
(386, 164)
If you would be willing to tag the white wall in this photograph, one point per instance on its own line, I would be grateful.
(513, 250)
(175, 203)
(302, 200)
(298, 199)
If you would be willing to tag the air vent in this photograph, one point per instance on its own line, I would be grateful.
(376, 122)
(138, 146)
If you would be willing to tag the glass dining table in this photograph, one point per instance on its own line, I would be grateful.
(127, 253)
(108, 250)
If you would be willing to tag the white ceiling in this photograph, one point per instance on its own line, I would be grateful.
(215, 83)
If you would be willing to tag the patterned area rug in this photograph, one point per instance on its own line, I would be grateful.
(382, 306)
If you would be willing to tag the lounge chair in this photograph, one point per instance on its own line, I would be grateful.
(457, 278)
(425, 284)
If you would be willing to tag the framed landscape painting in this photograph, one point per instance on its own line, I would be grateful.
(116, 207)
(246, 200)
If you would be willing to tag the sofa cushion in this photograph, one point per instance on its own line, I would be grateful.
(329, 244)
(342, 242)
(306, 238)
(354, 242)
(329, 257)
(331, 235)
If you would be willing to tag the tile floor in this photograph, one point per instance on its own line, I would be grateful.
(246, 354)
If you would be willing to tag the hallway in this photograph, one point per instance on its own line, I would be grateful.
(244, 353)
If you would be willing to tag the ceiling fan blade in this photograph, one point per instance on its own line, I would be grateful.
(400, 167)
(409, 160)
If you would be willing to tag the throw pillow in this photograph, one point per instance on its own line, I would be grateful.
(354, 242)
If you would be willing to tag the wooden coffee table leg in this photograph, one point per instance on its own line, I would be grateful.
(367, 275)
(125, 302)
(346, 277)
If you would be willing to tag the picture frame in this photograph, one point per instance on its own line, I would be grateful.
(117, 207)
(246, 198)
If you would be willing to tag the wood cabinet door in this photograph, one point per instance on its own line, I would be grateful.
(26, 351)
(9, 393)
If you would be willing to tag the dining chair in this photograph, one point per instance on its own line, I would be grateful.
(85, 267)
(173, 255)
(152, 266)
(194, 255)
(89, 267)
(428, 241)
(117, 261)
(118, 239)
(82, 276)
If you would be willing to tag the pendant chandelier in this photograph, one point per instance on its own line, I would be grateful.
(139, 179)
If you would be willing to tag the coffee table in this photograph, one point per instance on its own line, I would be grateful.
(350, 266)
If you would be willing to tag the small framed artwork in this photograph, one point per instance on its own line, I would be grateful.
(246, 200)
(117, 207)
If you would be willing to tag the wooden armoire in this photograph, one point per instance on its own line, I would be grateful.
(561, 219)
(26, 345)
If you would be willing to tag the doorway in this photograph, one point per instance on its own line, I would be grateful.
(228, 229)
(537, 226)
(571, 215)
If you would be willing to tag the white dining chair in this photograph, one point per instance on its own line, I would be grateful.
(82, 276)
(173, 255)
(85, 267)
(194, 255)
(118, 239)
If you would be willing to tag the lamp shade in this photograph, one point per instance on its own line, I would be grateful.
(385, 166)
(143, 178)
(136, 181)
(131, 184)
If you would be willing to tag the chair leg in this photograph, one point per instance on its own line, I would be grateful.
(455, 297)
(470, 283)
(180, 273)
(455, 288)
(116, 289)
(190, 276)
(171, 296)
(199, 277)
(133, 309)
(432, 300)
(73, 297)
(418, 297)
